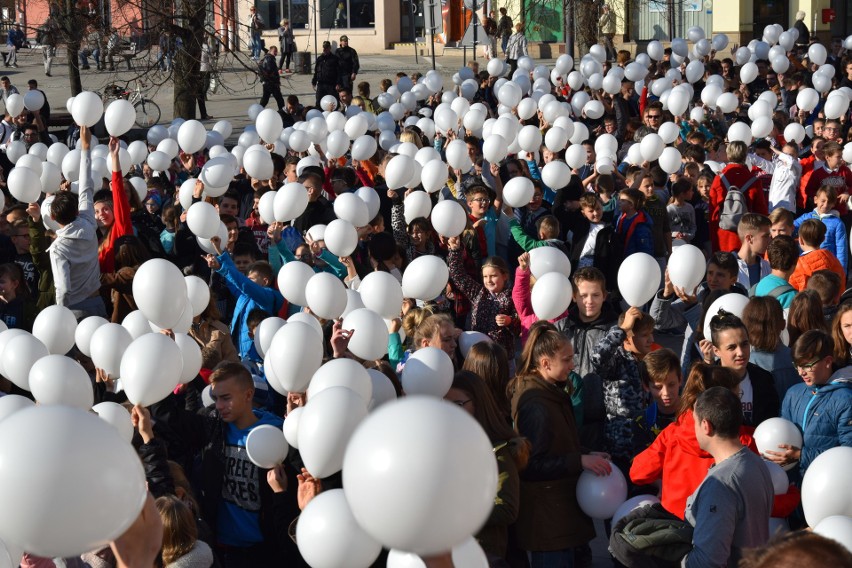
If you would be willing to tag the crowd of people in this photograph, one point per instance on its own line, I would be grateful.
(587, 391)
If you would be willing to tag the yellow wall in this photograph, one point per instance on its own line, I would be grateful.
(810, 7)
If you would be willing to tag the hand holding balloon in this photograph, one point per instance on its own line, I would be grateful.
(309, 487)
(140, 417)
(524, 262)
(277, 479)
(187, 161)
(791, 454)
(597, 464)
(630, 318)
(198, 189)
(454, 243)
(340, 339)
(296, 400)
(102, 376)
(706, 347)
(212, 261)
(34, 211)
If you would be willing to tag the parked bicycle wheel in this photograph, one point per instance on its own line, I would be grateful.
(147, 113)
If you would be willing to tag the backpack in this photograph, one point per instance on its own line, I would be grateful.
(776, 292)
(650, 537)
(734, 206)
(609, 254)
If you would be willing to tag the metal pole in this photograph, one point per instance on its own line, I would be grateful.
(432, 29)
(413, 30)
(569, 28)
(464, 46)
(316, 34)
(474, 17)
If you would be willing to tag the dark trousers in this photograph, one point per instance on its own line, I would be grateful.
(285, 58)
(345, 81)
(202, 96)
(324, 89)
(248, 557)
(273, 90)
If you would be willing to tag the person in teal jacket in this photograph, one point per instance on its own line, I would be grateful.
(253, 290)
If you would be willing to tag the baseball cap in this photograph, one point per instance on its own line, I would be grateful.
(326, 44)
(344, 38)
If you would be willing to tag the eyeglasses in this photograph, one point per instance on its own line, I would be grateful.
(654, 116)
(482, 200)
(807, 368)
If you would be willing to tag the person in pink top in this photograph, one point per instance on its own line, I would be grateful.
(522, 297)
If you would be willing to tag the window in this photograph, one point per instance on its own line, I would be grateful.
(273, 11)
(344, 14)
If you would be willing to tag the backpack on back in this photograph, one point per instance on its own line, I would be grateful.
(735, 205)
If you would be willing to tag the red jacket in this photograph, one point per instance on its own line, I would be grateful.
(737, 175)
(840, 180)
(120, 227)
(807, 169)
(676, 458)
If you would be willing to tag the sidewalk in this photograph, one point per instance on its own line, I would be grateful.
(238, 87)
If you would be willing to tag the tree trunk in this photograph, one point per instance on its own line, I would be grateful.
(74, 69)
(187, 75)
(72, 32)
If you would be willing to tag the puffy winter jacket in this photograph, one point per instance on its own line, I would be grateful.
(822, 413)
(585, 336)
(835, 234)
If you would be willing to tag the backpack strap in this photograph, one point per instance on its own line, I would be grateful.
(779, 291)
(748, 184)
(725, 181)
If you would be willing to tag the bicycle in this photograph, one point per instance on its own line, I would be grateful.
(147, 111)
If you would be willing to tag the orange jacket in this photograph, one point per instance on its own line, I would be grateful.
(810, 262)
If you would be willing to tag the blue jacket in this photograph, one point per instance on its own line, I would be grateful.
(249, 296)
(823, 414)
(642, 237)
(835, 233)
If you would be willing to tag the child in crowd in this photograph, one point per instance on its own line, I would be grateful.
(661, 381)
(492, 310)
(783, 253)
(675, 457)
(253, 290)
(828, 285)
(594, 239)
(634, 226)
(832, 173)
(605, 188)
(820, 406)
(701, 204)
(655, 207)
(521, 296)
(589, 317)
(811, 235)
(17, 310)
(785, 178)
(548, 234)
(764, 321)
(782, 223)
(616, 359)
(753, 231)
(835, 240)
(681, 213)
(167, 236)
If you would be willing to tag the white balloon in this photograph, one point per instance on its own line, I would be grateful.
(136, 323)
(807, 99)
(530, 138)
(384, 479)
(295, 354)
(190, 357)
(468, 554)
(119, 117)
(551, 295)
(370, 338)
(740, 131)
(652, 147)
(817, 53)
(150, 368)
(822, 496)
(364, 147)
(20, 354)
(774, 432)
(291, 426)
(549, 259)
(55, 326)
(687, 266)
(341, 238)
(326, 295)
(329, 537)
(343, 372)
(107, 347)
(86, 111)
(290, 202)
(202, 219)
(670, 160)
(449, 218)
(836, 106)
(762, 127)
(382, 389)
(556, 174)
(62, 520)
(518, 191)
(158, 161)
(24, 184)
(631, 505)
(428, 371)
(266, 446)
(794, 132)
(293, 280)
(425, 278)
(152, 277)
(325, 427)
(638, 279)
(731, 303)
(417, 204)
(601, 496)
(398, 171)
(269, 125)
(837, 528)
(84, 332)
(116, 416)
(57, 379)
(352, 208)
